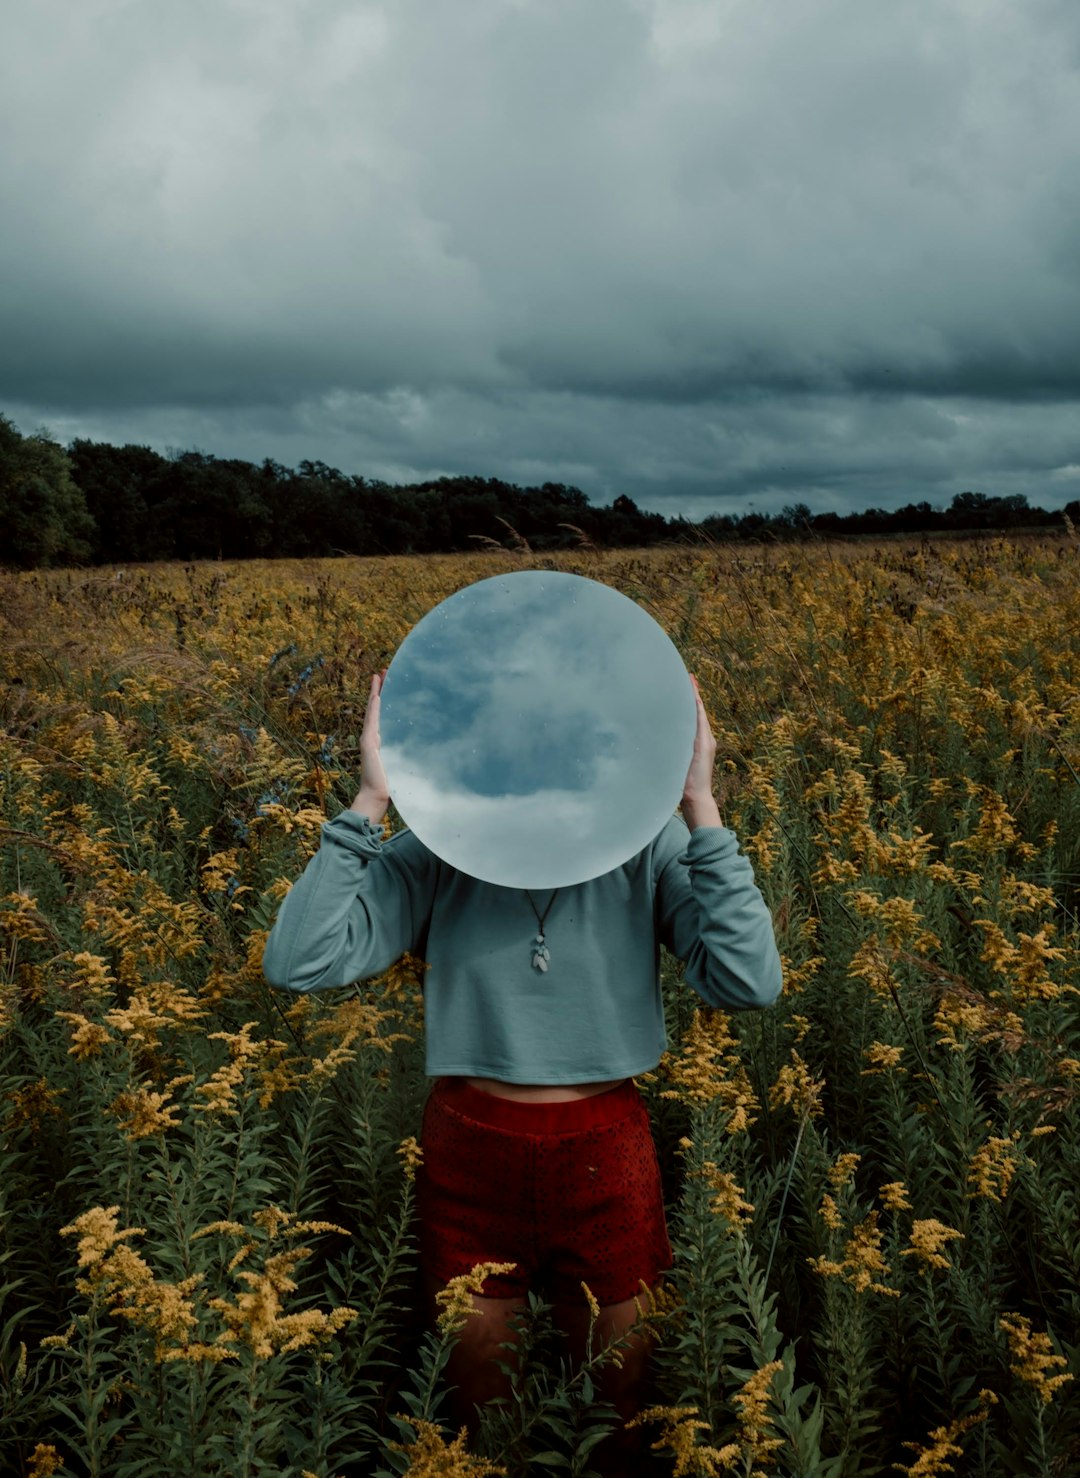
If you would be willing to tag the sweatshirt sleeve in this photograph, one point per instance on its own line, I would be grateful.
(713, 917)
(360, 903)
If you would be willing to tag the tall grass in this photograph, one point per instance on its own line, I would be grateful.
(207, 1251)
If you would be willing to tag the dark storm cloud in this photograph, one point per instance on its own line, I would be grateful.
(833, 452)
(694, 250)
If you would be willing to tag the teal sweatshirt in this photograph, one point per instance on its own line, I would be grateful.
(596, 1014)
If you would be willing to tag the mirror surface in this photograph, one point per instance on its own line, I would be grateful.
(536, 729)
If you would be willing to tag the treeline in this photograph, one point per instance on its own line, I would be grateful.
(94, 503)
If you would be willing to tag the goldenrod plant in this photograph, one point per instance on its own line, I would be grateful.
(207, 1245)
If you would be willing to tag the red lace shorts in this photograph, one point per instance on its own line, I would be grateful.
(570, 1192)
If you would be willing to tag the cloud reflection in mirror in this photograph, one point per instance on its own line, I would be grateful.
(536, 729)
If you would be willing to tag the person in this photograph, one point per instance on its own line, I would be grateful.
(539, 1012)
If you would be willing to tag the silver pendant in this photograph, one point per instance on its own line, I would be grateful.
(540, 954)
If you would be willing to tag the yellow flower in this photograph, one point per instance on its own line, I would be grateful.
(868, 963)
(655, 1307)
(797, 1088)
(23, 921)
(1032, 1357)
(255, 1317)
(230, 1228)
(1019, 896)
(219, 871)
(962, 1013)
(832, 871)
(927, 1239)
(905, 855)
(431, 1456)
(752, 1402)
(827, 1267)
(996, 830)
(456, 1299)
(163, 1308)
(894, 1196)
(33, 1104)
(903, 925)
(403, 982)
(680, 1426)
(728, 1201)
(278, 1074)
(411, 1156)
(591, 1300)
(697, 1070)
(881, 1056)
(863, 1258)
(993, 1167)
(796, 979)
(220, 1089)
(98, 1233)
(142, 1112)
(44, 1461)
(892, 767)
(843, 1170)
(934, 1460)
(59, 1341)
(91, 976)
(708, 1069)
(830, 1213)
(139, 1022)
(88, 1038)
(763, 842)
(120, 1276)
(863, 1263)
(800, 1025)
(1024, 965)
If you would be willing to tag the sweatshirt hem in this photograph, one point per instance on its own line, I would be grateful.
(543, 1077)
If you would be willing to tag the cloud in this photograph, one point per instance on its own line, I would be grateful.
(834, 452)
(537, 729)
(687, 249)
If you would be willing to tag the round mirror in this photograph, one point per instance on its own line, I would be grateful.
(536, 729)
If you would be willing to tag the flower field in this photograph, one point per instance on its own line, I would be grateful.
(207, 1258)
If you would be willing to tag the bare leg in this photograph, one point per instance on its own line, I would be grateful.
(475, 1374)
(473, 1369)
(620, 1384)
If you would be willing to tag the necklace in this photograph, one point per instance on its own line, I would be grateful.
(541, 953)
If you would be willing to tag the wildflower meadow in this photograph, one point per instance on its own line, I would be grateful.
(207, 1248)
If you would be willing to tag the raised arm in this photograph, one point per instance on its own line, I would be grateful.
(699, 806)
(711, 915)
(373, 798)
(361, 902)
(710, 912)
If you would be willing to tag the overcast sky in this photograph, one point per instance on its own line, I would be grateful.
(703, 252)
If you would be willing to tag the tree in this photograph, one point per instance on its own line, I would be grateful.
(117, 483)
(212, 507)
(43, 514)
(970, 503)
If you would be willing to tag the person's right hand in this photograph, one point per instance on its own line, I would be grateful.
(373, 797)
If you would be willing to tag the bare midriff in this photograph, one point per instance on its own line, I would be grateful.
(542, 1092)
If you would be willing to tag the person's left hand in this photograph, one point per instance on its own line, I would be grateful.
(699, 806)
(373, 797)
